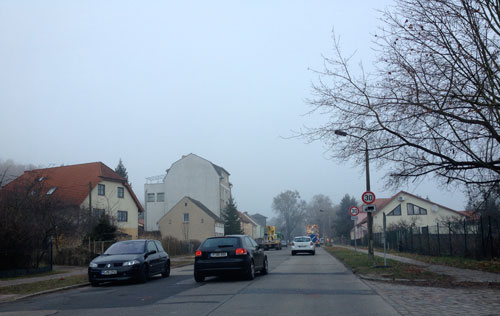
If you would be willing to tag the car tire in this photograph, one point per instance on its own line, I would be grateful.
(94, 283)
(250, 274)
(293, 253)
(313, 253)
(166, 270)
(265, 268)
(144, 274)
(198, 277)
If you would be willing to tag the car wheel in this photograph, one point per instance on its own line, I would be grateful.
(250, 275)
(313, 253)
(94, 283)
(144, 274)
(293, 253)
(166, 270)
(198, 277)
(265, 269)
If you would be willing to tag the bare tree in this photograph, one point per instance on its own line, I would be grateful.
(432, 105)
(290, 208)
(320, 211)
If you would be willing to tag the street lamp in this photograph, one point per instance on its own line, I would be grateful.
(368, 215)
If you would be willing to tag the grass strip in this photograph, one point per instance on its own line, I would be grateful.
(492, 266)
(29, 288)
(360, 263)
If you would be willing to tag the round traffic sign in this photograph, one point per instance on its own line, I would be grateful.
(368, 197)
(354, 211)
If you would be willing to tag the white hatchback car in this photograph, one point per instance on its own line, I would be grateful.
(303, 244)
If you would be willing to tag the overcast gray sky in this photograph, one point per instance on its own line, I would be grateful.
(150, 81)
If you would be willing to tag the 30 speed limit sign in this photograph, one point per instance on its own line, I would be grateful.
(368, 197)
(354, 211)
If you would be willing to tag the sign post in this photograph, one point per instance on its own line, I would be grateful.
(354, 211)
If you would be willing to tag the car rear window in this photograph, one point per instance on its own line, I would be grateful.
(229, 242)
(302, 239)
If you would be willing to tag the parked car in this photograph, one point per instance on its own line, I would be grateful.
(130, 259)
(303, 244)
(240, 254)
(284, 243)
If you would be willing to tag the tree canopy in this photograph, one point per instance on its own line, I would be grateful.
(121, 170)
(431, 107)
(232, 224)
(291, 209)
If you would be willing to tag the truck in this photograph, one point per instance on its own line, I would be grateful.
(312, 230)
(272, 239)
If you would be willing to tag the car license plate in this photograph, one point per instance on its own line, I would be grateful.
(218, 254)
(108, 272)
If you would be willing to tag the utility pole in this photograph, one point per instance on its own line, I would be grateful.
(90, 206)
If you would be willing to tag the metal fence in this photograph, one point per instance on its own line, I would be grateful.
(20, 261)
(479, 239)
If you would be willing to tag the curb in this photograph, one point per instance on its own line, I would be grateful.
(17, 298)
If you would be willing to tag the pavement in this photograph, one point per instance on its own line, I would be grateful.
(61, 273)
(460, 275)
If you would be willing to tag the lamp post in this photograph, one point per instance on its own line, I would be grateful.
(367, 167)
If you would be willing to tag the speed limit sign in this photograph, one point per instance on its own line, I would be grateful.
(354, 211)
(368, 197)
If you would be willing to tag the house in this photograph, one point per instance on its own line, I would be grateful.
(248, 225)
(191, 176)
(189, 219)
(406, 209)
(261, 220)
(90, 186)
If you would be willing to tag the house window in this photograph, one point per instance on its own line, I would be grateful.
(122, 216)
(160, 197)
(98, 212)
(150, 197)
(121, 192)
(51, 190)
(170, 221)
(396, 211)
(202, 220)
(416, 210)
(101, 189)
(186, 217)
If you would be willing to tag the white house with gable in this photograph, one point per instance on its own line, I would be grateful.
(190, 176)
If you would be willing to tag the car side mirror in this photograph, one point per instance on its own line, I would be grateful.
(150, 252)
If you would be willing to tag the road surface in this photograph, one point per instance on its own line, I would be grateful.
(296, 285)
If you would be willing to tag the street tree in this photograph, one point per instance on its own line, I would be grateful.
(291, 209)
(121, 170)
(231, 217)
(320, 211)
(431, 106)
(343, 224)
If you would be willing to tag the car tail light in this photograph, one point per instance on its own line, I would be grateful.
(312, 243)
(293, 244)
(241, 251)
(198, 253)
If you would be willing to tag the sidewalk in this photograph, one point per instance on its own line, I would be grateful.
(460, 275)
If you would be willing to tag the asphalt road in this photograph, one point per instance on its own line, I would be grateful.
(296, 285)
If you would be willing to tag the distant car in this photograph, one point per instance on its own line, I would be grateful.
(284, 243)
(322, 241)
(130, 259)
(218, 256)
(303, 244)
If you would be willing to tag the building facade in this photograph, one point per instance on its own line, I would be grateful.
(110, 193)
(189, 220)
(191, 176)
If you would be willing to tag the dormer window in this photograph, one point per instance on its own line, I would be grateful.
(51, 190)
(41, 179)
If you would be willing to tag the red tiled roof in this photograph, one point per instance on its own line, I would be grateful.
(72, 182)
